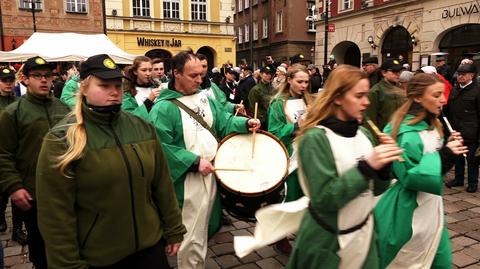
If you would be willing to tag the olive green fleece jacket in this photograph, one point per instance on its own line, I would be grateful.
(118, 200)
(23, 125)
(5, 100)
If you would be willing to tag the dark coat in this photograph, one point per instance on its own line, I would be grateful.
(315, 82)
(463, 111)
(244, 88)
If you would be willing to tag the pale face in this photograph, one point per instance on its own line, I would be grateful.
(158, 70)
(369, 68)
(143, 73)
(354, 102)
(433, 98)
(230, 77)
(6, 86)
(188, 81)
(391, 76)
(464, 78)
(298, 84)
(100, 92)
(39, 81)
(204, 64)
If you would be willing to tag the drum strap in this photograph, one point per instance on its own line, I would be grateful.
(194, 115)
(318, 219)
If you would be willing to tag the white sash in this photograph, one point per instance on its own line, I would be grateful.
(294, 109)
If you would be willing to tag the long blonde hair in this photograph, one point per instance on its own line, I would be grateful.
(416, 88)
(284, 88)
(339, 82)
(76, 136)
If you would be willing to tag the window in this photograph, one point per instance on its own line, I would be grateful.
(264, 27)
(240, 5)
(171, 9)
(311, 13)
(346, 5)
(247, 32)
(199, 10)
(141, 8)
(255, 30)
(79, 6)
(279, 22)
(247, 4)
(254, 2)
(27, 4)
(240, 35)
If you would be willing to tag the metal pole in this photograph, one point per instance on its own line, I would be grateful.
(33, 15)
(250, 32)
(325, 52)
(2, 35)
(104, 13)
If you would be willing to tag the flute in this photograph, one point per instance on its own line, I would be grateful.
(450, 129)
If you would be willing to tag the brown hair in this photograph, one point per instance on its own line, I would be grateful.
(284, 88)
(416, 88)
(339, 82)
(129, 84)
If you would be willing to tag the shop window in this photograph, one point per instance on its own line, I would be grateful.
(27, 4)
(279, 22)
(141, 8)
(199, 10)
(76, 6)
(171, 9)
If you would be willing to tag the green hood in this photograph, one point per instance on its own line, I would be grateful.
(169, 94)
(405, 127)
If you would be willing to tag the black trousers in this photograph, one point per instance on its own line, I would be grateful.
(36, 245)
(150, 258)
(17, 213)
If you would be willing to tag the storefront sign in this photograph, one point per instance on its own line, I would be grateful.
(154, 42)
(473, 8)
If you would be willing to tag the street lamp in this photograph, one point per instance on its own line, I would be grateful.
(33, 6)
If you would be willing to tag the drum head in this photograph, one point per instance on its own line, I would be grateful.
(263, 171)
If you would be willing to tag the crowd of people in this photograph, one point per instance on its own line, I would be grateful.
(112, 167)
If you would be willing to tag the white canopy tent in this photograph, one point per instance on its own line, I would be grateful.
(57, 47)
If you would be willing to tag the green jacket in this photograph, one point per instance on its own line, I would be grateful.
(418, 173)
(261, 94)
(69, 92)
(118, 200)
(129, 104)
(278, 124)
(385, 99)
(6, 100)
(24, 123)
(167, 119)
(314, 246)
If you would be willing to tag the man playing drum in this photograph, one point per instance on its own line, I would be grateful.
(189, 125)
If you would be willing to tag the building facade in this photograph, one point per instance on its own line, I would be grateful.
(17, 24)
(160, 29)
(417, 30)
(274, 27)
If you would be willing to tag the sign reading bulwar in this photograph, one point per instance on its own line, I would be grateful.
(473, 8)
(156, 42)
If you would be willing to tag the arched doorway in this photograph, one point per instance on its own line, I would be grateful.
(397, 41)
(210, 54)
(347, 52)
(165, 55)
(461, 42)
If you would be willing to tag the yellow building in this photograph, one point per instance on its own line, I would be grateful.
(160, 29)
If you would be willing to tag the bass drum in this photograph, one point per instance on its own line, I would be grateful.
(249, 181)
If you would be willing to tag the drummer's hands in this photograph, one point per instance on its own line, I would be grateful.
(382, 155)
(253, 124)
(172, 249)
(205, 167)
(240, 109)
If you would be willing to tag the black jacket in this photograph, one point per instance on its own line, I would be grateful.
(463, 111)
(243, 89)
(315, 82)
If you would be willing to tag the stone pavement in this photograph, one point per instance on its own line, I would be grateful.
(462, 211)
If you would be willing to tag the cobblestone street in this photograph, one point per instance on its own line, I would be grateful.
(462, 211)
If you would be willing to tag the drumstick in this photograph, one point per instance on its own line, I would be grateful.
(233, 169)
(254, 130)
(450, 129)
(238, 109)
(378, 133)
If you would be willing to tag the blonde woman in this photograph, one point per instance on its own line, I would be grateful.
(105, 197)
(341, 170)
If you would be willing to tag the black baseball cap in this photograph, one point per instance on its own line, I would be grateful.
(467, 68)
(36, 63)
(370, 60)
(6, 72)
(391, 65)
(230, 71)
(266, 69)
(101, 66)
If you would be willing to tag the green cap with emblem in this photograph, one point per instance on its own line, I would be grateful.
(101, 66)
(36, 62)
(5, 72)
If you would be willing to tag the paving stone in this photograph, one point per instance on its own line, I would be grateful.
(475, 209)
(460, 216)
(242, 232)
(267, 252)
(452, 208)
(473, 251)
(475, 266)
(450, 198)
(459, 228)
(223, 238)
(247, 266)
(471, 214)
(474, 235)
(473, 201)
(449, 219)
(211, 264)
(456, 247)
(269, 263)
(226, 228)
(464, 241)
(252, 257)
(22, 266)
(12, 251)
(227, 261)
(452, 233)
(241, 225)
(283, 259)
(476, 220)
(465, 204)
(222, 249)
(461, 260)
